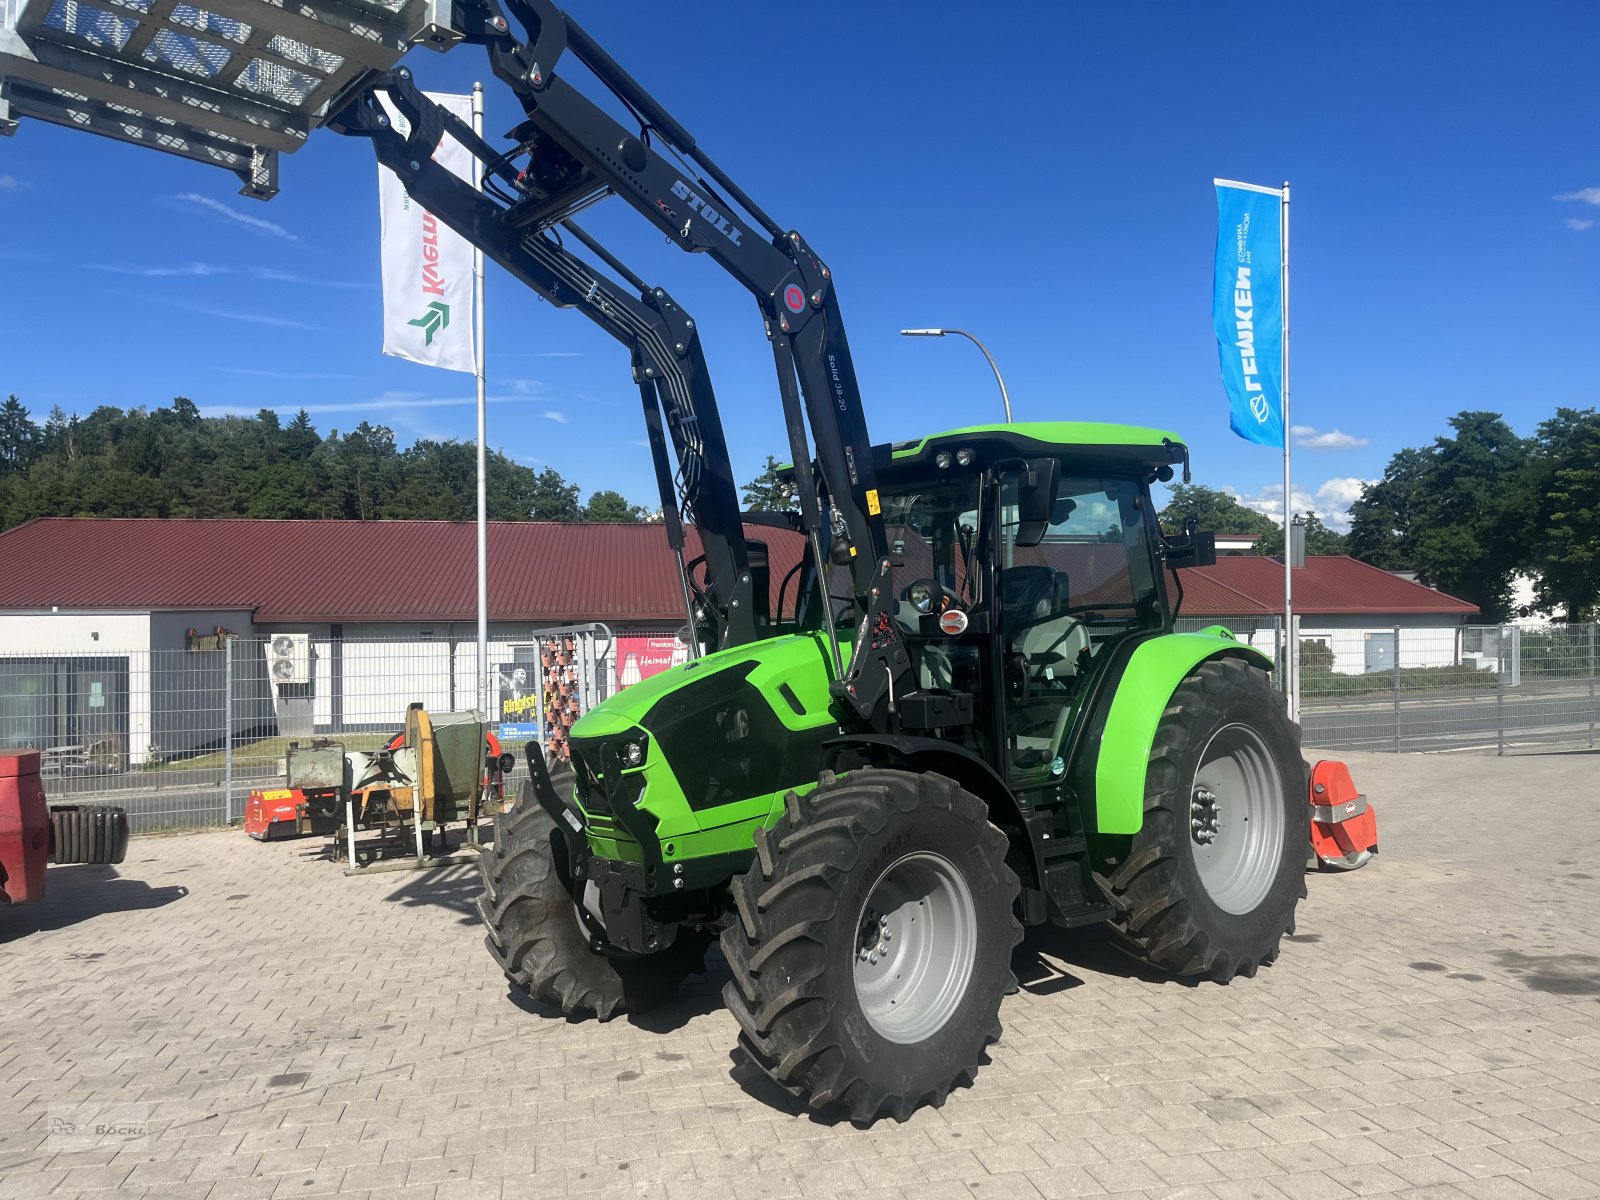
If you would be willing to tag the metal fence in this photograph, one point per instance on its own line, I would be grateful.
(181, 737)
(1503, 688)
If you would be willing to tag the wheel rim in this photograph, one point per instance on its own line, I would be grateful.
(1236, 823)
(916, 942)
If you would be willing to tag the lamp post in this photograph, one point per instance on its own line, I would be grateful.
(993, 366)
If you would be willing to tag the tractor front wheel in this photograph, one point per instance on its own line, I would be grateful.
(538, 938)
(1209, 884)
(873, 942)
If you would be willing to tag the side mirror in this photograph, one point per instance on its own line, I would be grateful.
(1191, 549)
(1036, 499)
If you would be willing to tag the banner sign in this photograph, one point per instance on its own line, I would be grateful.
(1248, 308)
(639, 658)
(427, 266)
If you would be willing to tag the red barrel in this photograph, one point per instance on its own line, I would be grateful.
(24, 827)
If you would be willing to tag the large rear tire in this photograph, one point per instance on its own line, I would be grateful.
(535, 934)
(873, 942)
(1209, 884)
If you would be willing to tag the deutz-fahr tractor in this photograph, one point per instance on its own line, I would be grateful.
(963, 712)
(1054, 753)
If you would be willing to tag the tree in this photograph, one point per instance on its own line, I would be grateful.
(1455, 512)
(554, 499)
(1564, 479)
(19, 437)
(768, 491)
(614, 507)
(1213, 512)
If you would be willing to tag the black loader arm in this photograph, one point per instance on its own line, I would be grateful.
(668, 362)
(578, 154)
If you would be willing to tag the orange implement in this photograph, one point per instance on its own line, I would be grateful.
(1344, 827)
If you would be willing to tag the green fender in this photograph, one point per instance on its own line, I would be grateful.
(1152, 675)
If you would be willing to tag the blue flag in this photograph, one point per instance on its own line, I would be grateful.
(1248, 308)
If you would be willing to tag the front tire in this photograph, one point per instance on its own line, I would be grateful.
(873, 944)
(1210, 882)
(536, 936)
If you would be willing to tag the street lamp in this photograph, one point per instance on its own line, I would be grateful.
(1004, 395)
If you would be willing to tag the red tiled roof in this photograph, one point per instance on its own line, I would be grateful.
(316, 571)
(1325, 586)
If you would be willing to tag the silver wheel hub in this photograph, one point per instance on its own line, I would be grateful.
(1203, 816)
(915, 947)
(1237, 819)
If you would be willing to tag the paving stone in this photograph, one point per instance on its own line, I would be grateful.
(352, 1036)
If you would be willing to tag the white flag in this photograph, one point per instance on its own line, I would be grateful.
(427, 266)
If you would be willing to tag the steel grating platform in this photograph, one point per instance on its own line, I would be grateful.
(233, 83)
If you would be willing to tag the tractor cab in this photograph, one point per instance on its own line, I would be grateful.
(1022, 555)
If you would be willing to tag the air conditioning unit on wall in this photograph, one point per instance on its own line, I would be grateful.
(289, 658)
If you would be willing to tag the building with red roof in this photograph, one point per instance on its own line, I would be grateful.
(124, 611)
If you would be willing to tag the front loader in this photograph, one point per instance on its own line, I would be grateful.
(966, 712)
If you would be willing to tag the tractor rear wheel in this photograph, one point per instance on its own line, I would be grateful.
(540, 942)
(873, 942)
(1209, 884)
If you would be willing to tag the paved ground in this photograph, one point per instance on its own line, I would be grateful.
(1431, 1031)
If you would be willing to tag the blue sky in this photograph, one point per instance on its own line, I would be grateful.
(1038, 173)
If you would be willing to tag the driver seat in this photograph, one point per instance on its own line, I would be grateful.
(1033, 594)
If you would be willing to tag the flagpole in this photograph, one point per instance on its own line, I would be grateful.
(1291, 658)
(483, 490)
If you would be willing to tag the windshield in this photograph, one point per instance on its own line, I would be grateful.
(932, 529)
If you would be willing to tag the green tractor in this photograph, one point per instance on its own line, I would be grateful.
(1058, 755)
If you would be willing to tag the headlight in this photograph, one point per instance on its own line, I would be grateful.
(964, 457)
(632, 754)
(942, 460)
(921, 598)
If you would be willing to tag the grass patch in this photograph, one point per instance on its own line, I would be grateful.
(268, 750)
(1381, 683)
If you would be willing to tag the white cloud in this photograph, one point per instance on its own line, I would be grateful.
(1590, 195)
(254, 224)
(10, 183)
(179, 270)
(522, 387)
(1333, 439)
(396, 402)
(1331, 501)
(273, 275)
(261, 374)
(250, 318)
(1579, 224)
(560, 418)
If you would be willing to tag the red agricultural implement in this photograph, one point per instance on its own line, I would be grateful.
(33, 834)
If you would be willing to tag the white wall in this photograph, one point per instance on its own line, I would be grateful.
(74, 633)
(115, 633)
(1424, 640)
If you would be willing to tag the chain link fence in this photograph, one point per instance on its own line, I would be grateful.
(1503, 688)
(181, 737)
